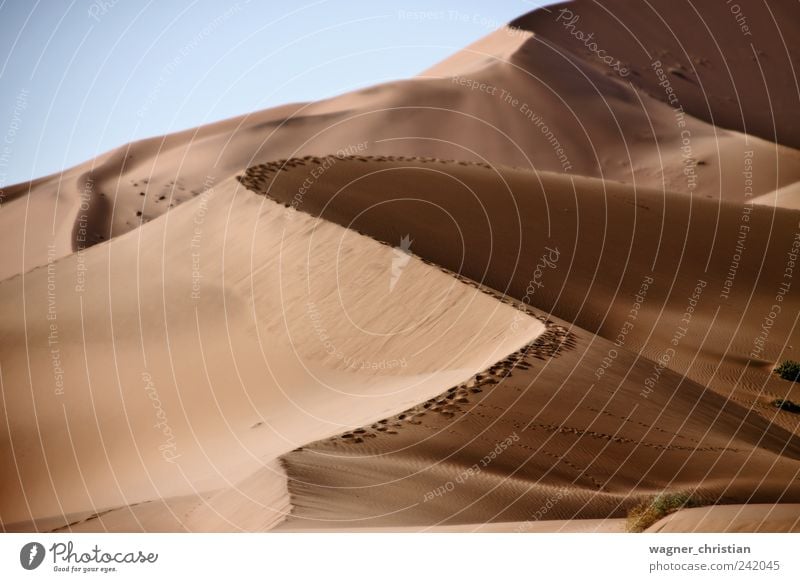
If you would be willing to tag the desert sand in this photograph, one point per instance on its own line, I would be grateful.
(528, 290)
(201, 408)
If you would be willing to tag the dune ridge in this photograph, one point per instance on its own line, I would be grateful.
(527, 290)
(397, 476)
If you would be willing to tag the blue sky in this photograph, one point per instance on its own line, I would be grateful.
(80, 77)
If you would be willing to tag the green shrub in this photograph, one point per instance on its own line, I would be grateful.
(648, 512)
(789, 370)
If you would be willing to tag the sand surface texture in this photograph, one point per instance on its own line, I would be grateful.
(535, 288)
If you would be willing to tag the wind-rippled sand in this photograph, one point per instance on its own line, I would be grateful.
(526, 290)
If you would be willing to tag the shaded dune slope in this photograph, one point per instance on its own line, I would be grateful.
(601, 426)
(260, 331)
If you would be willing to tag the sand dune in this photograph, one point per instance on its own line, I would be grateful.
(733, 63)
(732, 518)
(510, 453)
(546, 526)
(700, 277)
(619, 444)
(567, 246)
(786, 197)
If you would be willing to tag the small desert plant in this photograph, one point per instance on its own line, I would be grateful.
(789, 370)
(786, 405)
(648, 512)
